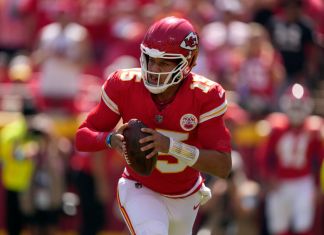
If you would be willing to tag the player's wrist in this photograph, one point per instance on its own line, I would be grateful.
(108, 140)
(183, 152)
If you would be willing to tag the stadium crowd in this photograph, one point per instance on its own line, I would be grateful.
(55, 56)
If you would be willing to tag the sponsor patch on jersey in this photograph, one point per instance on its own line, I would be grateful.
(188, 122)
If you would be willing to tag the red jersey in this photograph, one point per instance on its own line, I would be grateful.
(293, 152)
(193, 117)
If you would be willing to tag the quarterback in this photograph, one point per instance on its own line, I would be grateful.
(184, 112)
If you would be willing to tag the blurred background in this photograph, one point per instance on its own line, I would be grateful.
(55, 56)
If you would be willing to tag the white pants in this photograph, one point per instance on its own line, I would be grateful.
(292, 204)
(149, 213)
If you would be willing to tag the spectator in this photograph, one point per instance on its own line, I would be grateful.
(42, 201)
(95, 16)
(17, 24)
(292, 36)
(234, 207)
(315, 11)
(260, 75)
(62, 52)
(17, 152)
(20, 69)
(93, 189)
(221, 41)
(3, 67)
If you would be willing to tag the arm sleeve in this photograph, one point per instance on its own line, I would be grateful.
(91, 134)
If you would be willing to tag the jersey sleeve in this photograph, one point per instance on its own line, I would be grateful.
(212, 131)
(102, 119)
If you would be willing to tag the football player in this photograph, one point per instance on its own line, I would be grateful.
(185, 114)
(293, 153)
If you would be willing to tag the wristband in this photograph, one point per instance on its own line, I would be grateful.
(183, 152)
(108, 139)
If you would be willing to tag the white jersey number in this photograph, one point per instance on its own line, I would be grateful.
(164, 166)
(292, 150)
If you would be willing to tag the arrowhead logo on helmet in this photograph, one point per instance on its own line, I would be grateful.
(190, 42)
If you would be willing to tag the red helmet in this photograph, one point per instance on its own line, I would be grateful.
(297, 103)
(169, 38)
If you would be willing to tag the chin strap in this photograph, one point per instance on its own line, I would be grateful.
(185, 153)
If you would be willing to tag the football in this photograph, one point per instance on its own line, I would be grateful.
(136, 158)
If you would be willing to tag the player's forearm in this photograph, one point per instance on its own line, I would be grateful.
(210, 161)
(91, 135)
(90, 141)
(214, 163)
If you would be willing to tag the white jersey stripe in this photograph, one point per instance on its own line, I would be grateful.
(214, 112)
(110, 104)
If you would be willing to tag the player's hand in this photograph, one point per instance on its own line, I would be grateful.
(156, 141)
(118, 141)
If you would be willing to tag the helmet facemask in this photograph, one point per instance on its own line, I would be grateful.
(164, 79)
